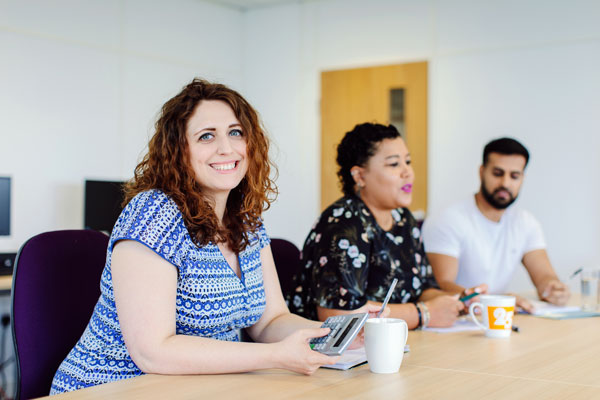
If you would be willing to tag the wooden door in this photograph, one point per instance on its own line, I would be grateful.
(353, 96)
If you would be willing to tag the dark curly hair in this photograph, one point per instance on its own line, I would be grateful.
(357, 147)
(167, 167)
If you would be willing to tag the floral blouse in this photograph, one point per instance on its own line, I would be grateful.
(349, 259)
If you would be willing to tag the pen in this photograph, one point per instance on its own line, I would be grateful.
(575, 273)
(469, 296)
(387, 296)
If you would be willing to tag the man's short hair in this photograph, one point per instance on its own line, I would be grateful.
(506, 146)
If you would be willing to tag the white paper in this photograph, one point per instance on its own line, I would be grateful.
(461, 325)
(354, 357)
(349, 359)
(545, 308)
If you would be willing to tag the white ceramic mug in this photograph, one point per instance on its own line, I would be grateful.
(497, 312)
(385, 339)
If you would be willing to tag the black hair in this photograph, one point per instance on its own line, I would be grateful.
(357, 147)
(506, 146)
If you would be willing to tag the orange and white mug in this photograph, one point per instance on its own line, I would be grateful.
(497, 312)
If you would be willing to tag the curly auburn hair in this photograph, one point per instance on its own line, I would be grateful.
(357, 147)
(167, 167)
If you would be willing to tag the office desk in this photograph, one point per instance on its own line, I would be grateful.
(5, 284)
(546, 360)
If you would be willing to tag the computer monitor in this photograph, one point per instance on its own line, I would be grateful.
(4, 206)
(102, 204)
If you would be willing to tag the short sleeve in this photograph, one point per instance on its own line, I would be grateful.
(261, 235)
(153, 219)
(440, 236)
(337, 257)
(534, 238)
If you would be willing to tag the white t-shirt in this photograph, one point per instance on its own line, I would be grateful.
(487, 251)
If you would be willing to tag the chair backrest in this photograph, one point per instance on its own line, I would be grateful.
(287, 262)
(56, 284)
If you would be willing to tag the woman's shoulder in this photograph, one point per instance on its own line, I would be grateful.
(257, 237)
(344, 206)
(152, 197)
(153, 219)
(342, 212)
(343, 217)
(151, 204)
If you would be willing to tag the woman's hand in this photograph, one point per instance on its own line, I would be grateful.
(372, 308)
(443, 310)
(294, 352)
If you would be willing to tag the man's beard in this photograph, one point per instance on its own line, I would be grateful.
(493, 201)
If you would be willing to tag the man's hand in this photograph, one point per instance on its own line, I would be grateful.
(555, 292)
(480, 289)
(523, 303)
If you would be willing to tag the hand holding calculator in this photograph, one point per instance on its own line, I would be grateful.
(344, 329)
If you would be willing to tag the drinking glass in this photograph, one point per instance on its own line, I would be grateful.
(589, 288)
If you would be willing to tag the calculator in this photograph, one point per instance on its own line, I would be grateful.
(344, 329)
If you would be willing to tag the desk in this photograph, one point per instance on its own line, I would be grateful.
(548, 359)
(5, 284)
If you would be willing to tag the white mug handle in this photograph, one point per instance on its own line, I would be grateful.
(405, 333)
(471, 311)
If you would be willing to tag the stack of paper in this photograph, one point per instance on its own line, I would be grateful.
(461, 325)
(547, 310)
(353, 358)
(542, 308)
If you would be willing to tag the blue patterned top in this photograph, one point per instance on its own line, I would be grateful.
(211, 300)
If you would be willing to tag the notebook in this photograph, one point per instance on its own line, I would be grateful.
(543, 308)
(353, 358)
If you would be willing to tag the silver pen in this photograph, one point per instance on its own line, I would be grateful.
(387, 296)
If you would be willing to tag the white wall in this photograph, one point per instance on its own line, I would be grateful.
(81, 83)
(527, 69)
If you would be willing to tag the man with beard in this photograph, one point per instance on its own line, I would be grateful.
(481, 241)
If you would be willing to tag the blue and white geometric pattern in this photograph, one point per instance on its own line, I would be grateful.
(211, 300)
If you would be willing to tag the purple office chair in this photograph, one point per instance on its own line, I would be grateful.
(56, 284)
(287, 263)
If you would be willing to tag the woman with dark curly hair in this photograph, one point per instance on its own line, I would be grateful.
(367, 238)
(189, 262)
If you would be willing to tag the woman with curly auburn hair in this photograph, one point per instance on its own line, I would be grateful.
(189, 262)
(167, 167)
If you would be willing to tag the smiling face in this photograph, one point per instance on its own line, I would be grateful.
(386, 181)
(501, 179)
(216, 147)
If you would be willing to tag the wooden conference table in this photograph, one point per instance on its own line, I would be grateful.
(548, 359)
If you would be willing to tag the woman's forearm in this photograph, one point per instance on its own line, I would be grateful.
(407, 312)
(183, 354)
(284, 325)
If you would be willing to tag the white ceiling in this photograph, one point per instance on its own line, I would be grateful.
(244, 5)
